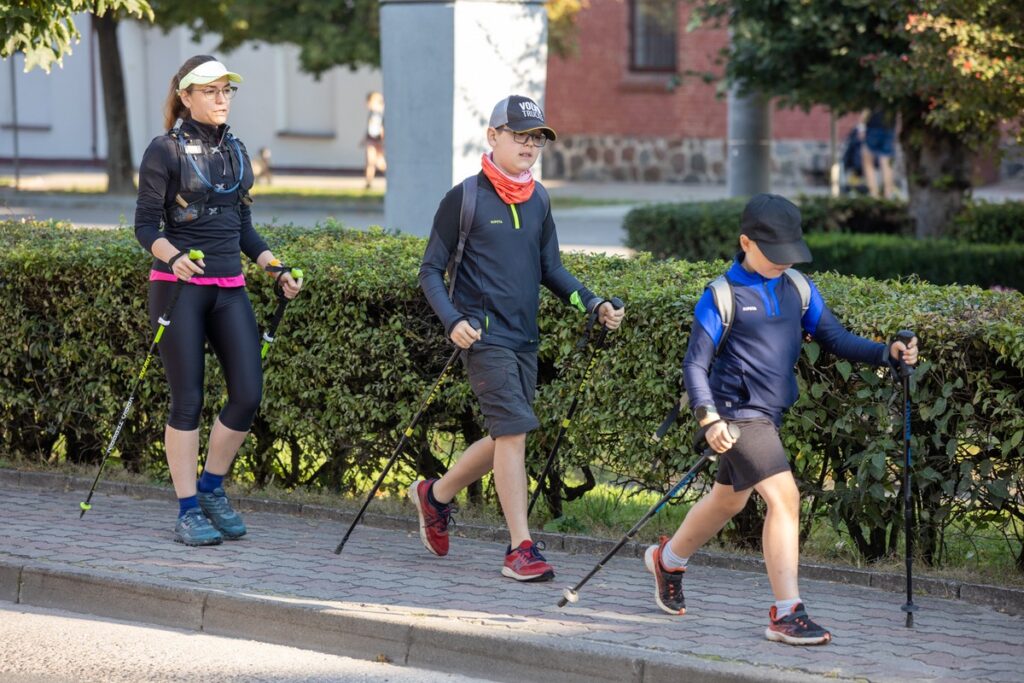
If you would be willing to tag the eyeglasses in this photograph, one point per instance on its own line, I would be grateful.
(538, 139)
(211, 93)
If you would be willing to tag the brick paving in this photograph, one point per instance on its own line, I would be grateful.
(388, 573)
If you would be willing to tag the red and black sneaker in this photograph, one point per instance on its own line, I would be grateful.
(525, 563)
(796, 628)
(668, 585)
(434, 520)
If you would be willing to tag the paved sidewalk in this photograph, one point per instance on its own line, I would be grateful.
(385, 596)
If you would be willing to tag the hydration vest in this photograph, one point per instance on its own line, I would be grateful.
(197, 195)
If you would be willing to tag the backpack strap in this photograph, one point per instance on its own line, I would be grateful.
(545, 198)
(803, 286)
(466, 214)
(725, 302)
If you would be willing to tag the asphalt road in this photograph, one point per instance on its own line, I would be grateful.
(52, 646)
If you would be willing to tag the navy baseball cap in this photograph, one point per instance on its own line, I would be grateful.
(773, 222)
(520, 114)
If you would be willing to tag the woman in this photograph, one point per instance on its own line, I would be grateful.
(374, 139)
(195, 180)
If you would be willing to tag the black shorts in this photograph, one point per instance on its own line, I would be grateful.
(757, 455)
(504, 382)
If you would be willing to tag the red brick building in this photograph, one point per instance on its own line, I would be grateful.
(622, 112)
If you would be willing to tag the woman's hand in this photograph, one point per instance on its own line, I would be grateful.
(184, 267)
(290, 285)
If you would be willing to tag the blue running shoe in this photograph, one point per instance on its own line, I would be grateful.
(218, 508)
(193, 528)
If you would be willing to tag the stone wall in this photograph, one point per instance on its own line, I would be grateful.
(686, 160)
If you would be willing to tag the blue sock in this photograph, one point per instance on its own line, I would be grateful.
(208, 482)
(186, 504)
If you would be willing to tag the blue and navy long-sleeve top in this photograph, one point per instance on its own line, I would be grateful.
(753, 374)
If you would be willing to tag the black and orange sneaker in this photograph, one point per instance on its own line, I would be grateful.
(668, 585)
(434, 520)
(796, 628)
(525, 563)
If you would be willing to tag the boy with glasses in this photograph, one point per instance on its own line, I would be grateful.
(511, 250)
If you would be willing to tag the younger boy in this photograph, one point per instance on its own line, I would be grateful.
(511, 250)
(752, 384)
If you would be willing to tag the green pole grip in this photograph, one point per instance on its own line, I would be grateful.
(297, 273)
(195, 254)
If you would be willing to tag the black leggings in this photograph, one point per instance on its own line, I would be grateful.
(224, 316)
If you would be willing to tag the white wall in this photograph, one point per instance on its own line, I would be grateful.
(305, 123)
(446, 64)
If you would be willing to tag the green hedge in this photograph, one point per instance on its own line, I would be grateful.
(992, 223)
(942, 261)
(708, 230)
(855, 214)
(358, 350)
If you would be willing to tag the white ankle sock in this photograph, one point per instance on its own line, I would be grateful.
(784, 607)
(670, 561)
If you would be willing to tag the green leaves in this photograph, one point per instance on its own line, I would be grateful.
(328, 33)
(46, 31)
(359, 349)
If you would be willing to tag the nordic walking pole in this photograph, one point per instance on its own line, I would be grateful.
(164, 320)
(405, 435)
(908, 510)
(598, 345)
(572, 594)
(282, 301)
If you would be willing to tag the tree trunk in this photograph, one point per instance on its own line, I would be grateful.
(938, 175)
(120, 175)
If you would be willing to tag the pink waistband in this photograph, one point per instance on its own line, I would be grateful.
(233, 281)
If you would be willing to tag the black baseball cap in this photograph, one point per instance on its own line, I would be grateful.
(520, 114)
(773, 222)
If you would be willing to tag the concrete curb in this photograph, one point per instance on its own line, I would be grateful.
(419, 641)
(1004, 599)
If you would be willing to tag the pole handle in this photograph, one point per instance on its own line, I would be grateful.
(905, 336)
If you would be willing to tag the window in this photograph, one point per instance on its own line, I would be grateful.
(652, 32)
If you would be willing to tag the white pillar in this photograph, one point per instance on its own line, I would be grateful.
(445, 65)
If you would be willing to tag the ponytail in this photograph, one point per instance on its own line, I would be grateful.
(174, 108)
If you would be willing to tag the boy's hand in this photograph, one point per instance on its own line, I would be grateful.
(609, 316)
(909, 351)
(464, 335)
(719, 438)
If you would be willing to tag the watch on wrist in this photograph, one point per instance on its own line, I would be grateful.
(703, 411)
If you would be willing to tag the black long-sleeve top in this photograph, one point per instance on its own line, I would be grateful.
(223, 226)
(512, 249)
